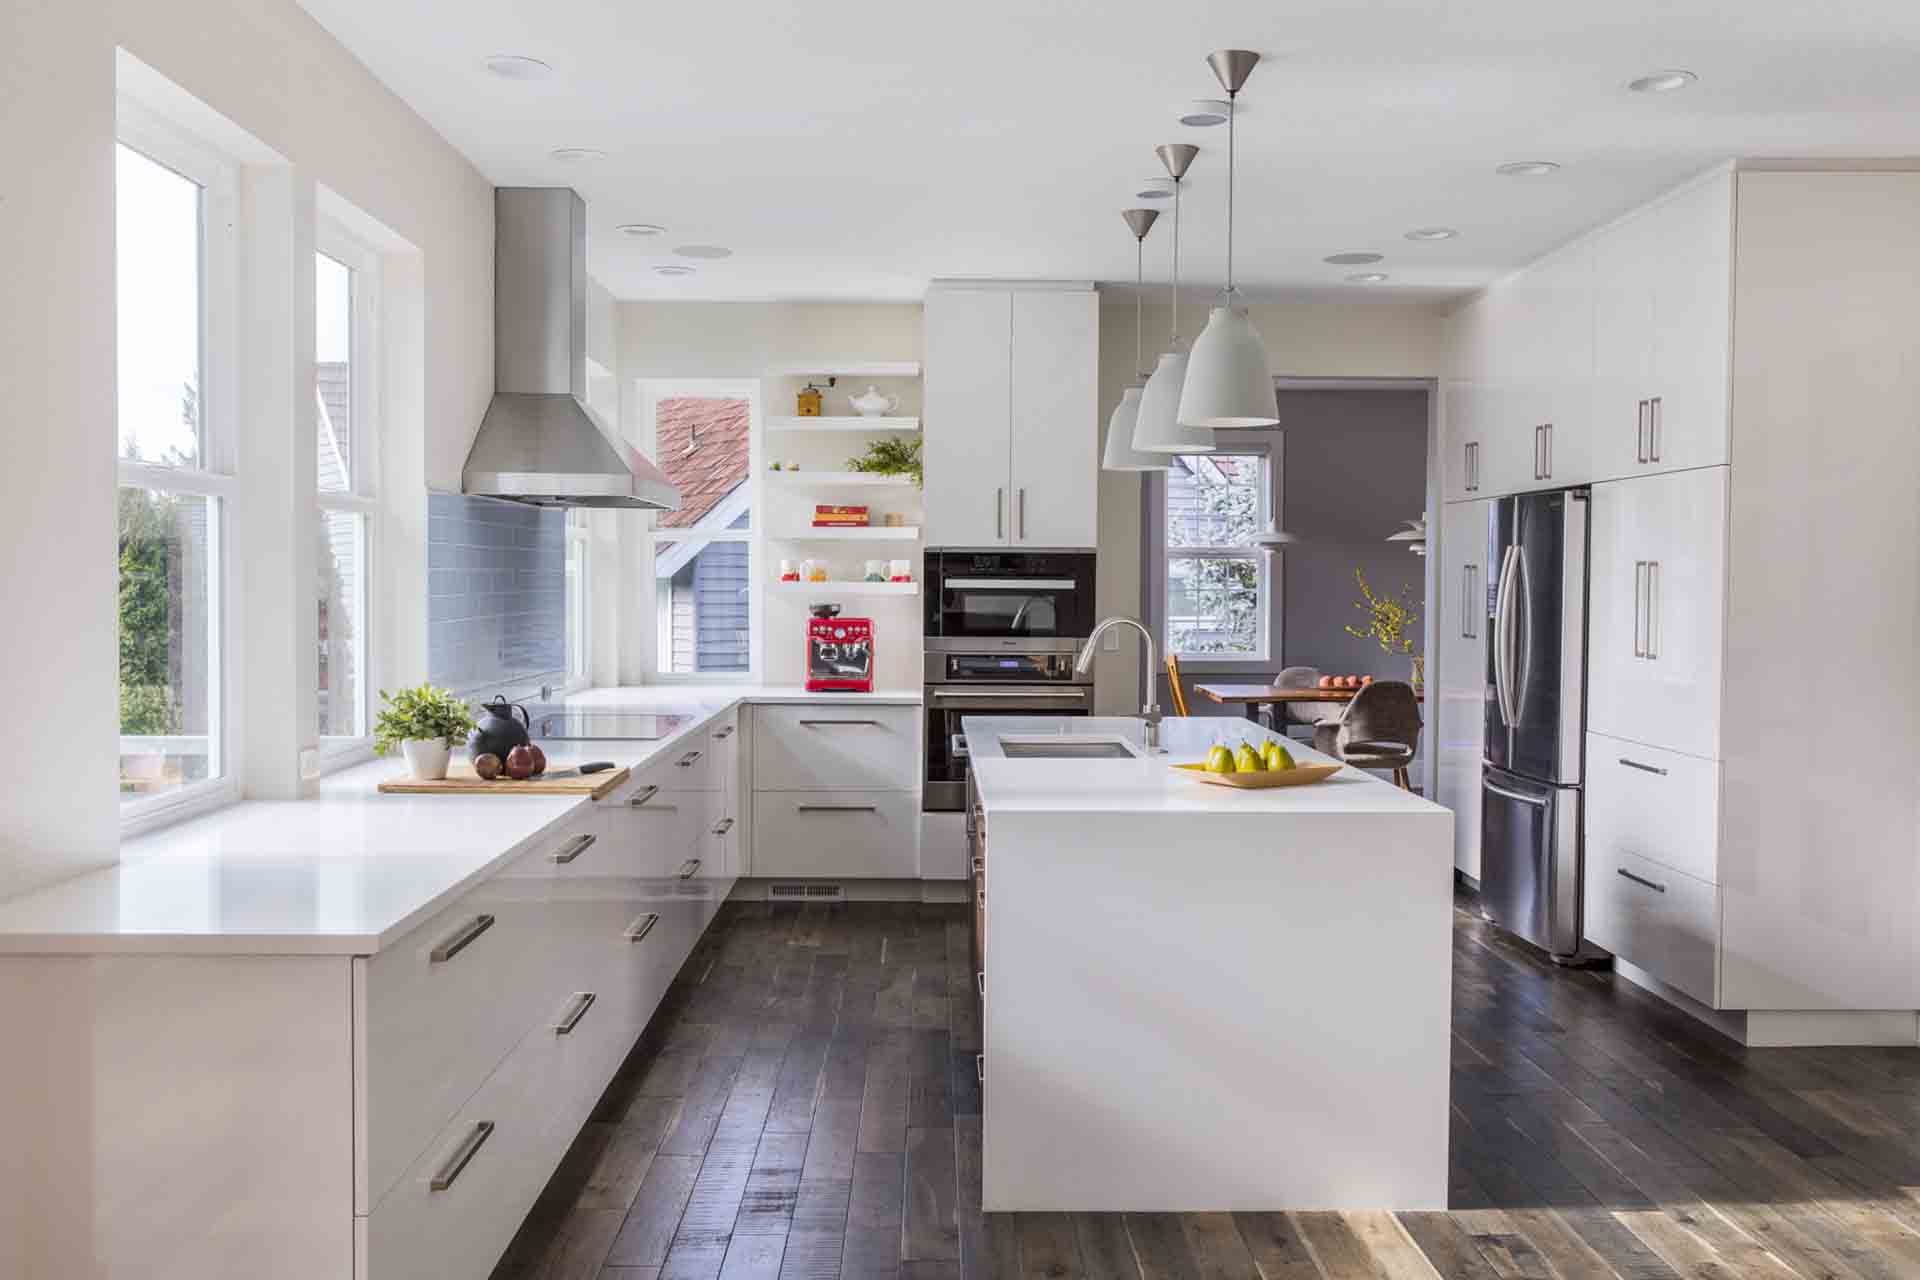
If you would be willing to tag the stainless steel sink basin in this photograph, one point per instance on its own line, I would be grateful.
(1065, 749)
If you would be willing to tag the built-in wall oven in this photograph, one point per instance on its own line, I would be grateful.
(1002, 631)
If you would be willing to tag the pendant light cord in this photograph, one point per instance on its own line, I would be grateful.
(1231, 113)
(1139, 285)
(1176, 264)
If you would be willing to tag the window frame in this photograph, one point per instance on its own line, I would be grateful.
(649, 393)
(214, 479)
(362, 496)
(1160, 555)
(579, 610)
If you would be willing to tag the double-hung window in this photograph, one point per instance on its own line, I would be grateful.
(346, 278)
(1217, 587)
(175, 380)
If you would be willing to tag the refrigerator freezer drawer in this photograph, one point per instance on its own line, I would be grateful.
(1530, 860)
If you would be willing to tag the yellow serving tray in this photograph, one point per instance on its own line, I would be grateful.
(1299, 776)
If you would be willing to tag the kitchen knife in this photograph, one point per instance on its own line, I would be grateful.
(596, 766)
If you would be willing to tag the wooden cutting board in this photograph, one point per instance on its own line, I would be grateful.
(461, 780)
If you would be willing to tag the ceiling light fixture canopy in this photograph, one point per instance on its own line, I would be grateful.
(574, 155)
(1120, 455)
(1229, 376)
(1157, 429)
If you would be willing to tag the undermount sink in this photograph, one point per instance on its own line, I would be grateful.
(1065, 749)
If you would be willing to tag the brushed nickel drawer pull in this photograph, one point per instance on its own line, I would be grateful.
(469, 1147)
(1644, 768)
(1655, 414)
(836, 808)
(645, 794)
(460, 939)
(582, 1001)
(982, 896)
(641, 927)
(1640, 434)
(980, 981)
(724, 731)
(980, 1067)
(687, 761)
(1657, 888)
(726, 825)
(822, 724)
(689, 868)
(573, 848)
(979, 866)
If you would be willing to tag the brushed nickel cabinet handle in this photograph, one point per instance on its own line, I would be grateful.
(573, 848)
(1655, 413)
(641, 927)
(1640, 880)
(1549, 434)
(980, 1067)
(645, 794)
(1653, 604)
(457, 1162)
(1021, 516)
(460, 939)
(999, 513)
(1640, 433)
(725, 731)
(582, 1001)
(687, 761)
(1644, 768)
(824, 724)
(837, 808)
(981, 894)
(725, 825)
(689, 868)
(980, 983)
(1540, 452)
(979, 866)
(1639, 606)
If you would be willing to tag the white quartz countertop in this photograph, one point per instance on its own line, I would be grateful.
(1147, 784)
(348, 871)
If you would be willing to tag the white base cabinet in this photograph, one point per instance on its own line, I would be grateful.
(1459, 680)
(836, 791)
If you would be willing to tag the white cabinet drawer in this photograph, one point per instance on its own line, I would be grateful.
(1656, 918)
(1655, 804)
(831, 747)
(434, 1014)
(849, 834)
(686, 766)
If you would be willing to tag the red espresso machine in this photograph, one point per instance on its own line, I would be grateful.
(839, 652)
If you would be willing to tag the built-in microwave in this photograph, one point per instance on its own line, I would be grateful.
(1034, 601)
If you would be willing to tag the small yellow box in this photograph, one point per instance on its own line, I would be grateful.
(809, 402)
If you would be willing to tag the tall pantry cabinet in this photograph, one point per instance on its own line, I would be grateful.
(1751, 434)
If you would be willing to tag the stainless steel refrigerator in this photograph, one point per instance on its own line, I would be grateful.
(1531, 786)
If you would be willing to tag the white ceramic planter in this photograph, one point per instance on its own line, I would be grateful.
(427, 757)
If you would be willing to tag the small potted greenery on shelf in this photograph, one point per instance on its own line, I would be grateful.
(424, 722)
(890, 458)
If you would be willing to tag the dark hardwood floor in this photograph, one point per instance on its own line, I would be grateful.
(804, 1106)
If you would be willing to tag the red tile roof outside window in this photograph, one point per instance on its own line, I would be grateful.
(703, 447)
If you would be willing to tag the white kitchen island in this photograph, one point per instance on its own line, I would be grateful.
(1199, 998)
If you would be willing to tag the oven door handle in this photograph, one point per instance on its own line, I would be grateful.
(1007, 584)
(971, 696)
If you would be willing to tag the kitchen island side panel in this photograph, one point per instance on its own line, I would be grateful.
(1227, 1012)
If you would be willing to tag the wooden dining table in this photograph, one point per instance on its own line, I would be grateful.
(1258, 699)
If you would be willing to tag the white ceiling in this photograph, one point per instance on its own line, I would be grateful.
(855, 149)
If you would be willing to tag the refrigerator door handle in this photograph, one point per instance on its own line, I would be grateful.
(1503, 637)
(1535, 801)
(1522, 633)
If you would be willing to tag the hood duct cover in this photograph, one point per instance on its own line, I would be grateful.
(539, 442)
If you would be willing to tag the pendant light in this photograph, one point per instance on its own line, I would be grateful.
(1415, 533)
(1229, 378)
(1120, 454)
(1157, 429)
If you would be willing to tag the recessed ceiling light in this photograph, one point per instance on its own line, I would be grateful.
(1367, 277)
(672, 269)
(704, 251)
(511, 66)
(1527, 169)
(639, 230)
(1662, 82)
(1204, 113)
(574, 155)
(1432, 233)
(1155, 189)
(1352, 259)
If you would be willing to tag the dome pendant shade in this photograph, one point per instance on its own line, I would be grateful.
(1158, 429)
(1229, 383)
(1120, 454)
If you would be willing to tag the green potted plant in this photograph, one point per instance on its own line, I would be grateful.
(892, 457)
(424, 722)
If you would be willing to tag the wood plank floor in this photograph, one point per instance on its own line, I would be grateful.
(805, 1106)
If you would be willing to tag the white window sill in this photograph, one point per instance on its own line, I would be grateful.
(141, 816)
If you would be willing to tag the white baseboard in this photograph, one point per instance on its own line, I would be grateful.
(1788, 1028)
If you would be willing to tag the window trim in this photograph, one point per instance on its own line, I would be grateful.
(142, 130)
(1155, 587)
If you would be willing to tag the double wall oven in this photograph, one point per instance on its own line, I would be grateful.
(1002, 631)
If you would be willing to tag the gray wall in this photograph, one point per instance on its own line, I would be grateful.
(1355, 467)
(497, 591)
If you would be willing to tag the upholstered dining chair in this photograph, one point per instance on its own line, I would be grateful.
(1308, 713)
(1379, 729)
(1175, 694)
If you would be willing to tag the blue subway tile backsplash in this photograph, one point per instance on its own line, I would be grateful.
(496, 591)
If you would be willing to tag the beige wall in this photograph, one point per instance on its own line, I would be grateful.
(1307, 340)
(276, 74)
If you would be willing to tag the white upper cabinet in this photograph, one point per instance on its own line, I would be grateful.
(1011, 416)
(1056, 429)
(1663, 311)
(968, 416)
(1465, 399)
(1459, 718)
(1561, 323)
(1657, 616)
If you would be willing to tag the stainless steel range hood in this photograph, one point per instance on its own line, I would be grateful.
(539, 442)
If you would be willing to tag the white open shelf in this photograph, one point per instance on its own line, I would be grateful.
(844, 588)
(849, 369)
(851, 424)
(870, 533)
(836, 480)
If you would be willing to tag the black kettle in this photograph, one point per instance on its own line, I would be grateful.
(497, 731)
